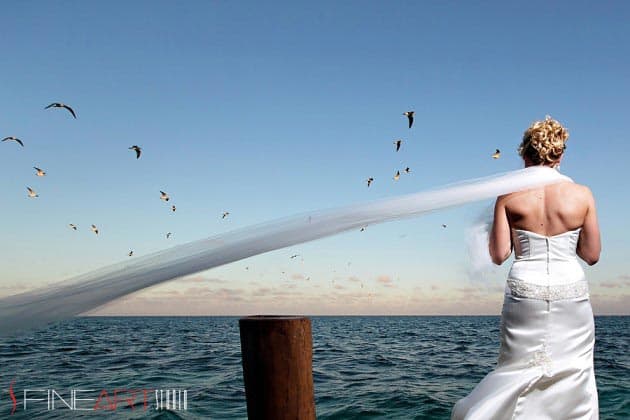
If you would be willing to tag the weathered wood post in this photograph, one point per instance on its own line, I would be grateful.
(277, 356)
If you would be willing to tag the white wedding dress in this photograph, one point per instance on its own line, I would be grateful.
(545, 366)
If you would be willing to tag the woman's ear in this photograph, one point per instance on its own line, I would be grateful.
(557, 163)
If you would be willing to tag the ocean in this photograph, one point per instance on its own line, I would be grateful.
(390, 367)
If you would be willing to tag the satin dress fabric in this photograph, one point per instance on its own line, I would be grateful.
(545, 367)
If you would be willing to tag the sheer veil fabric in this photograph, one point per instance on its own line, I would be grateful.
(77, 295)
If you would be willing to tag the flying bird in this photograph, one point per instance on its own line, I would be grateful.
(497, 154)
(72, 226)
(173, 208)
(407, 170)
(369, 181)
(225, 214)
(363, 228)
(15, 139)
(409, 115)
(137, 149)
(294, 256)
(39, 171)
(397, 176)
(443, 225)
(94, 229)
(397, 143)
(164, 196)
(31, 192)
(130, 253)
(168, 235)
(60, 105)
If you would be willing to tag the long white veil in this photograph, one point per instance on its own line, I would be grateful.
(88, 291)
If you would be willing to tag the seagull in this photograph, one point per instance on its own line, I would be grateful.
(39, 171)
(397, 176)
(443, 225)
(72, 226)
(497, 154)
(94, 229)
(409, 115)
(130, 253)
(369, 181)
(164, 196)
(225, 214)
(397, 143)
(60, 105)
(15, 139)
(363, 228)
(138, 150)
(407, 170)
(173, 208)
(294, 255)
(168, 235)
(31, 192)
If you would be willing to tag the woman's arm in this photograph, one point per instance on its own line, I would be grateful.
(589, 245)
(500, 243)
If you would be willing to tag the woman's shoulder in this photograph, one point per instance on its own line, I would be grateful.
(568, 188)
(570, 194)
(574, 189)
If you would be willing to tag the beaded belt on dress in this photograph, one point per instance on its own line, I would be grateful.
(525, 289)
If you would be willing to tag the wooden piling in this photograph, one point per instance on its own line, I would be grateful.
(277, 354)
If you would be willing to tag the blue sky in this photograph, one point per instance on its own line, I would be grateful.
(267, 110)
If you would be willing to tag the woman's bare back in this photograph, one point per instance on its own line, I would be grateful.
(548, 211)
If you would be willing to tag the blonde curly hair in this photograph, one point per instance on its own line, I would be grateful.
(544, 142)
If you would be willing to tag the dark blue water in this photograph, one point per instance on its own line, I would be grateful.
(363, 367)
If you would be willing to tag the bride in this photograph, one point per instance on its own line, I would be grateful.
(545, 366)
